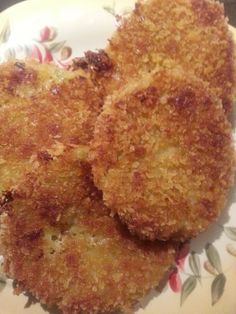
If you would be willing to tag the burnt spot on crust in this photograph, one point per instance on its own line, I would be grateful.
(79, 63)
(99, 61)
(148, 96)
(48, 208)
(44, 156)
(33, 235)
(183, 99)
(206, 13)
(7, 197)
(139, 151)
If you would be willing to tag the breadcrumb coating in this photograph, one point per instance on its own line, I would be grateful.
(43, 113)
(163, 155)
(58, 239)
(193, 33)
(60, 244)
(23, 79)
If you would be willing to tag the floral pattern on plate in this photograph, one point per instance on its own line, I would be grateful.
(44, 48)
(208, 261)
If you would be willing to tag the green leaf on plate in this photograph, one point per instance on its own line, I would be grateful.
(2, 284)
(5, 33)
(57, 46)
(27, 51)
(213, 257)
(230, 232)
(217, 288)
(10, 54)
(187, 288)
(194, 264)
(111, 9)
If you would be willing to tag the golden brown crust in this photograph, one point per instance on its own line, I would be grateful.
(98, 66)
(163, 155)
(42, 118)
(61, 244)
(58, 240)
(25, 78)
(194, 33)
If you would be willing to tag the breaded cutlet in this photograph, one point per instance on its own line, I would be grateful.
(60, 243)
(194, 33)
(23, 79)
(43, 118)
(58, 239)
(163, 154)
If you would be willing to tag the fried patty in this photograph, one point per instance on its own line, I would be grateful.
(23, 79)
(194, 33)
(163, 155)
(57, 237)
(60, 243)
(42, 117)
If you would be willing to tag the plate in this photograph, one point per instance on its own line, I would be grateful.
(58, 30)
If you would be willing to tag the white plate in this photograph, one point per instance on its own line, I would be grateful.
(74, 26)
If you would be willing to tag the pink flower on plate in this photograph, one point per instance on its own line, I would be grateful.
(47, 34)
(48, 56)
(174, 280)
(36, 54)
(44, 34)
(45, 57)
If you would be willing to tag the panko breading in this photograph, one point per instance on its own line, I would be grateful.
(22, 79)
(43, 122)
(58, 239)
(60, 244)
(163, 155)
(194, 33)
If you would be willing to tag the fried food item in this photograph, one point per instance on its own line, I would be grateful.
(163, 155)
(23, 79)
(42, 117)
(194, 33)
(60, 243)
(58, 239)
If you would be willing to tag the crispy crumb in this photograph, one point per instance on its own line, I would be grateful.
(61, 244)
(58, 239)
(163, 154)
(193, 33)
(37, 123)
